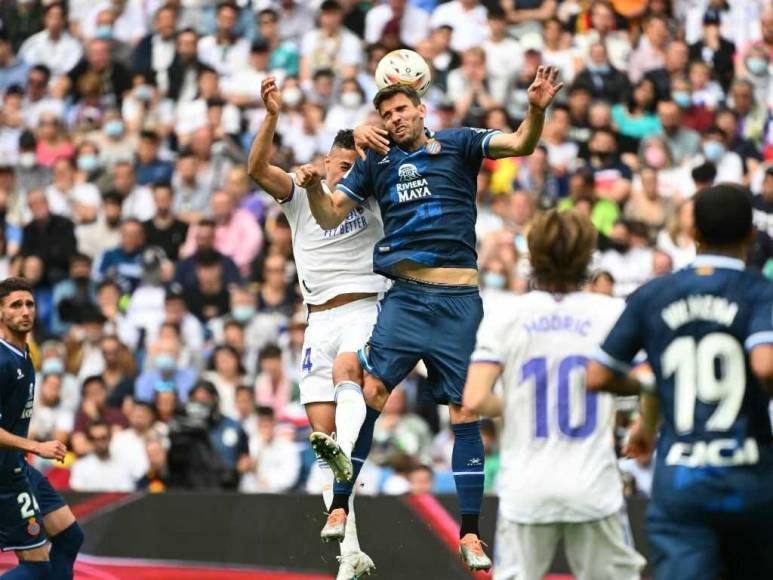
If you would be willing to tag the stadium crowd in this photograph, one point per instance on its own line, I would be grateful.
(170, 325)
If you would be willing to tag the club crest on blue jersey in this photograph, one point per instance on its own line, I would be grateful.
(433, 147)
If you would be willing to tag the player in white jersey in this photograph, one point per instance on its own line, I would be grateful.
(558, 475)
(335, 270)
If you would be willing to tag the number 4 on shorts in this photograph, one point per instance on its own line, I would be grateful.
(306, 366)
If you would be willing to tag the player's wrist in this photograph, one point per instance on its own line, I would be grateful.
(535, 109)
(33, 447)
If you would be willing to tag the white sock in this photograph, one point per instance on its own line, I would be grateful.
(350, 414)
(351, 544)
(327, 487)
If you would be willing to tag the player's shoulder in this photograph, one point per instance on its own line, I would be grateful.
(599, 303)
(757, 285)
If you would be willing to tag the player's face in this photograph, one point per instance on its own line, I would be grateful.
(402, 119)
(337, 163)
(17, 311)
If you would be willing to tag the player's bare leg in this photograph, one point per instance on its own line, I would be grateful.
(343, 527)
(33, 565)
(467, 460)
(349, 415)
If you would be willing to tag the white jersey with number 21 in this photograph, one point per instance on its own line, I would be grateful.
(557, 458)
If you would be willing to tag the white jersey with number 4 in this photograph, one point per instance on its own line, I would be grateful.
(335, 261)
(557, 458)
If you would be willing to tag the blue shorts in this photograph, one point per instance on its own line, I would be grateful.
(25, 499)
(708, 545)
(433, 323)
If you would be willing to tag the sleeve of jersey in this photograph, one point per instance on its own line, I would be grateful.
(355, 183)
(761, 324)
(488, 343)
(624, 340)
(478, 141)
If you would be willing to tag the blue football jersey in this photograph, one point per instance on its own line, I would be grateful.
(426, 197)
(696, 327)
(17, 391)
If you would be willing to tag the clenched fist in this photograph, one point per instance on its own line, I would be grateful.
(307, 176)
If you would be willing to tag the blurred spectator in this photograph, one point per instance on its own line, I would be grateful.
(115, 77)
(156, 479)
(715, 50)
(118, 373)
(72, 294)
(601, 79)
(421, 479)
(154, 53)
(467, 19)
(99, 470)
(246, 414)
(330, 45)
(224, 51)
(129, 446)
(49, 236)
(51, 419)
(226, 373)
(13, 71)
(676, 240)
(115, 321)
(488, 432)
(164, 230)
(684, 143)
(124, 263)
(629, 259)
(94, 409)
(714, 149)
(398, 431)
(272, 387)
(275, 295)
(277, 465)
(164, 369)
(284, 55)
(208, 298)
(602, 283)
(150, 168)
(399, 18)
(53, 46)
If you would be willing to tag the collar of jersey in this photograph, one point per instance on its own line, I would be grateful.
(13, 349)
(428, 132)
(714, 261)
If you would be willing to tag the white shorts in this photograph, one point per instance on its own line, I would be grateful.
(596, 550)
(331, 332)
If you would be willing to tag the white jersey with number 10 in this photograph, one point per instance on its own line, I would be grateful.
(557, 458)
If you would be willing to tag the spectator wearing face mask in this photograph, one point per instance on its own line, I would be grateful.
(351, 110)
(715, 150)
(495, 278)
(164, 368)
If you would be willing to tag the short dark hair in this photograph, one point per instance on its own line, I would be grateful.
(13, 284)
(330, 6)
(265, 412)
(269, 12)
(388, 92)
(245, 388)
(723, 214)
(344, 139)
(80, 259)
(206, 223)
(269, 351)
(149, 135)
(704, 173)
(496, 13)
(92, 379)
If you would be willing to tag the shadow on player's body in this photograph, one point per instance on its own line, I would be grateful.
(708, 334)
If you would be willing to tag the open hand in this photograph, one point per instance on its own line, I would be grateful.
(307, 176)
(370, 137)
(640, 443)
(51, 450)
(271, 96)
(544, 88)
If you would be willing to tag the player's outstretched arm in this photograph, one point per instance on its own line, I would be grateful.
(478, 395)
(275, 181)
(525, 139)
(48, 450)
(329, 209)
(601, 378)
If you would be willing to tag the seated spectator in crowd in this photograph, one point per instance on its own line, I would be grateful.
(421, 479)
(684, 143)
(277, 466)
(150, 168)
(164, 369)
(276, 296)
(209, 297)
(105, 232)
(628, 258)
(246, 414)
(227, 374)
(51, 419)
(156, 479)
(100, 470)
(601, 79)
(50, 236)
(714, 149)
(94, 409)
(79, 202)
(164, 230)
(582, 195)
(204, 244)
(272, 387)
(602, 282)
(118, 373)
(176, 313)
(399, 431)
(124, 263)
(129, 446)
(109, 295)
(72, 294)
(676, 240)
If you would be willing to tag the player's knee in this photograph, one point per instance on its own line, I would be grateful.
(72, 538)
(461, 414)
(347, 368)
(376, 394)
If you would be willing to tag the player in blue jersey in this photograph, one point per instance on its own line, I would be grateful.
(32, 513)
(707, 331)
(425, 185)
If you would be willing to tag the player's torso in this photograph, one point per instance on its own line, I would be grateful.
(558, 463)
(18, 392)
(427, 200)
(339, 260)
(716, 434)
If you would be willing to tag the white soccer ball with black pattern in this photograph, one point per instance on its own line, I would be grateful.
(404, 67)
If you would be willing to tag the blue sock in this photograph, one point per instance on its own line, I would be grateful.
(29, 571)
(64, 550)
(342, 490)
(467, 462)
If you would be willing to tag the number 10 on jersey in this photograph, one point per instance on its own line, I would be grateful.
(561, 393)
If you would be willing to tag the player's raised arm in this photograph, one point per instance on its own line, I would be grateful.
(275, 181)
(329, 209)
(525, 139)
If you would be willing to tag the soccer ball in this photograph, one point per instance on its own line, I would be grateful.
(403, 67)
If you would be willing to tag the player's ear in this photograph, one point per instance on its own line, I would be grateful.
(422, 110)
(696, 235)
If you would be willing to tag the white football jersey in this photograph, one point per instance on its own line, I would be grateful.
(337, 261)
(558, 463)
